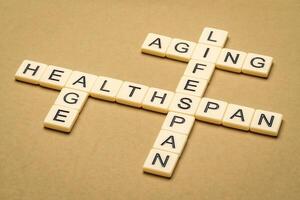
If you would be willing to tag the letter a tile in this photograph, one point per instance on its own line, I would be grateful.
(81, 81)
(170, 141)
(156, 44)
(238, 117)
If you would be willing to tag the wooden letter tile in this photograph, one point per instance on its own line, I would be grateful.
(213, 36)
(184, 103)
(238, 117)
(161, 163)
(231, 60)
(106, 88)
(199, 69)
(179, 123)
(180, 50)
(55, 77)
(71, 98)
(266, 122)
(170, 141)
(192, 86)
(257, 65)
(206, 53)
(30, 71)
(81, 81)
(61, 118)
(132, 94)
(158, 100)
(211, 110)
(156, 44)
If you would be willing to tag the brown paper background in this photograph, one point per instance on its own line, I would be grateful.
(102, 158)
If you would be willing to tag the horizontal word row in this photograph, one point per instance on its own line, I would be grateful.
(186, 100)
(209, 49)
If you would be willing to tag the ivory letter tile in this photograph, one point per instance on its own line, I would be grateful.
(257, 65)
(213, 36)
(61, 118)
(206, 53)
(81, 81)
(238, 117)
(132, 94)
(184, 103)
(156, 44)
(55, 77)
(199, 69)
(170, 141)
(158, 100)
(106, 88)
(71, 98)
(266, 122)
(231, 60)
(180, 50)
(211, 110)
(30, 71)
(160, 163)
(179, 123)
(192, 86)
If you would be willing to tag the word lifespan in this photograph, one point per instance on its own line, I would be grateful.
(182, 107)
(187, 105)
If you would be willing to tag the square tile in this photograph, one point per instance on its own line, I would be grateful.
(213, 36)
(192, 86)
(180, 50)
(61, 118)
(178, 123)
(71, 98)
(158, 100)
(211, 110)
(106, 88)
(81, 81)
(238, 117)
(257, 65)
(161, 163)
(55, 77)
(170, 141)
(184, 103)
(206, 53)
(266, 122)
(231, 60)
(132, 94)
(200, 69)
(156, 44)
(30, 71)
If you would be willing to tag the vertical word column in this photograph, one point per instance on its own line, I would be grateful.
(178, 124)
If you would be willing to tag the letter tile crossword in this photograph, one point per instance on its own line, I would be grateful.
(182, 107)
